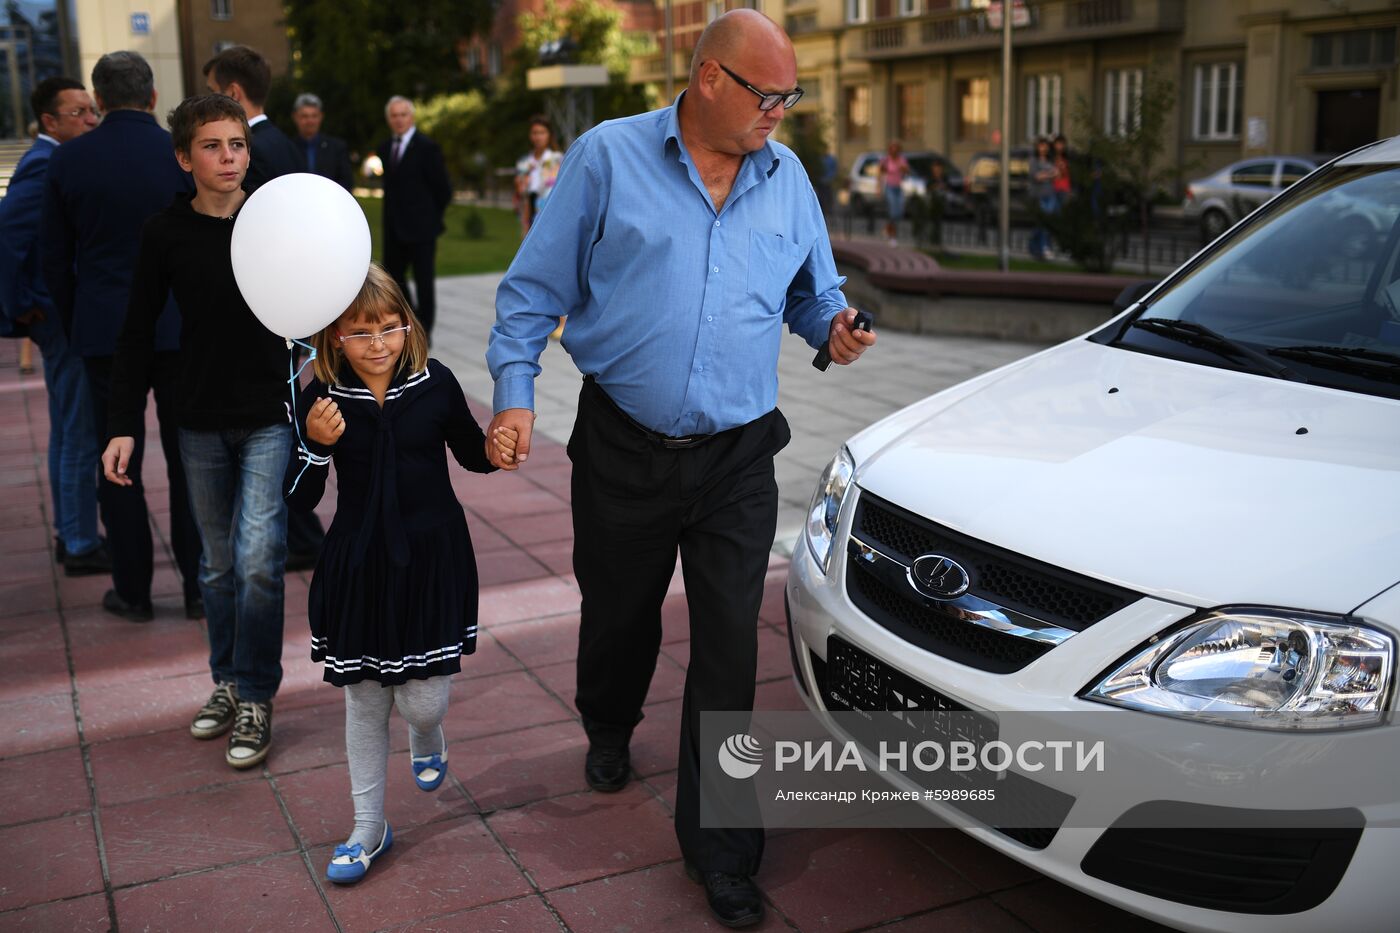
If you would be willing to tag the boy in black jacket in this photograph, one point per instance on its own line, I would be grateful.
(235, 434)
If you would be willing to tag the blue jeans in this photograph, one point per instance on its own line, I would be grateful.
(235, 480)
(894, 202)
(1040, 238)
(72, 439)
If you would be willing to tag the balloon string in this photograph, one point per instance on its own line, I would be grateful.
(305, 454)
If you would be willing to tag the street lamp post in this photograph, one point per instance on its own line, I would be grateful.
(1004, 218)
(669, 57)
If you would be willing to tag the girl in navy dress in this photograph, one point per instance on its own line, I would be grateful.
(393, 600)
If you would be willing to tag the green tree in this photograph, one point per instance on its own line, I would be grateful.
(596, 29)
(1117, 176)
(355, 54)
(454, 121)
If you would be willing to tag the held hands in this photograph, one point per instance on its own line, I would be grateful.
(847, 345)
(508, 438)
(115, 459)
(325, 423)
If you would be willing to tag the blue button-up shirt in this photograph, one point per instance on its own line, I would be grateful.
(675, 309)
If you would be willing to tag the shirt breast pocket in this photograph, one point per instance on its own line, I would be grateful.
(773, 261)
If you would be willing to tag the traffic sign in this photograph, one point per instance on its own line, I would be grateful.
(1020, 16)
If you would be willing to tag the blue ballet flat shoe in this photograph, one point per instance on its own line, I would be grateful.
(429, 771)
(351, 863)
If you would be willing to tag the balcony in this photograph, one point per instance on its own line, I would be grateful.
(652, 68)
(969, 30)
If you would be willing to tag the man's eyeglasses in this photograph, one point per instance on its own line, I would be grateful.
(767, 102)
(394, 334)
(77, 113)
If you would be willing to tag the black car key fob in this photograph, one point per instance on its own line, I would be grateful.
(864, 321)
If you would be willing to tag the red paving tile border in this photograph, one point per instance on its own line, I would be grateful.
(154, 838)
(268, 894)
(569, 840)
(79, 915)
(524, 914)
(47, 784)
(48, 861)
(810, 877)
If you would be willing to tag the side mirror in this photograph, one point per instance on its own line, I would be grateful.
(1131, 295)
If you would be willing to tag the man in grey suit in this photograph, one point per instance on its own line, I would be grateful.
(325, 155)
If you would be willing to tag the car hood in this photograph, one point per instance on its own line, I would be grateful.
(1188, 483)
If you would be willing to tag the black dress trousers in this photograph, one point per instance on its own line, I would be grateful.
(635, 504)
(123, 508)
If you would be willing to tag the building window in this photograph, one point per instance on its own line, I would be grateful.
(974, 107)
(1122, 101)
(473, 60)
(909, 110)
(909, 7)
(1042, 105)
(221, 44)
(857, 11)
(1219, 93)
(1356, 48)
(857, 111)
(221, 9)
(714, 9)
(751, 5)
(493, 59)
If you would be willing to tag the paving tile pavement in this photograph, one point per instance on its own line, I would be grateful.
(113, 818)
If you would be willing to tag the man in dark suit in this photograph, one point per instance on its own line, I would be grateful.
(243, 74)
(101, 188)
(416, 193)
(64, 111)
(325, 155)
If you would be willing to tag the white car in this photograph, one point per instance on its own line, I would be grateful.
(1188, 517)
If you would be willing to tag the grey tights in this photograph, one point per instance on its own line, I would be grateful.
(422, 704)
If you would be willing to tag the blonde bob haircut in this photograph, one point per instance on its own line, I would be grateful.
(379, 298)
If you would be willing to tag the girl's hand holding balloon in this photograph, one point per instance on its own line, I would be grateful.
(325, 423)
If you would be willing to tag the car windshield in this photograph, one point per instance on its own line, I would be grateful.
(1312, 285)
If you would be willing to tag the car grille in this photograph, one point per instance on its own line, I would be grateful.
(1047, 593)
(1036, 811)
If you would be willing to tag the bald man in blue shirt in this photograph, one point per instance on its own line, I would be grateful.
(678, 243)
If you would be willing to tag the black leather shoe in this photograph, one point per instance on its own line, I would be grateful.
(59, 551)
(96, 561)
(733, 899)
(129, 611)
(194, 607)
(606, 768)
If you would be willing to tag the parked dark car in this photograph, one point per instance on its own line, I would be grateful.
(982, 183)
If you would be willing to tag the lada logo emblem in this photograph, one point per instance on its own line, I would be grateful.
(940, 577)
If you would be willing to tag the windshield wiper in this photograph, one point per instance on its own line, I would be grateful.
(1198, 335)
(1359, 360)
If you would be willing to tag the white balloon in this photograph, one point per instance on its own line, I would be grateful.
(300, 253)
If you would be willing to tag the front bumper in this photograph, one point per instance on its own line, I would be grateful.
(1339, 880)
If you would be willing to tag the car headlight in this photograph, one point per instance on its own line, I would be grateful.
(1260, 667)
(826, 506)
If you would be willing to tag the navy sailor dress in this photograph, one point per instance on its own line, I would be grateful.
(394, 597)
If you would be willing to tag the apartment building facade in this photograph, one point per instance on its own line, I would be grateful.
(1252, 76)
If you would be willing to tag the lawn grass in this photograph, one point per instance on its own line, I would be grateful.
(457, 255)
(981, 262)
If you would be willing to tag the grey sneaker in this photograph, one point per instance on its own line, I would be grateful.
(251, 739)
(216, 716)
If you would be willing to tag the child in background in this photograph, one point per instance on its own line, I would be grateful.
(394, 598)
